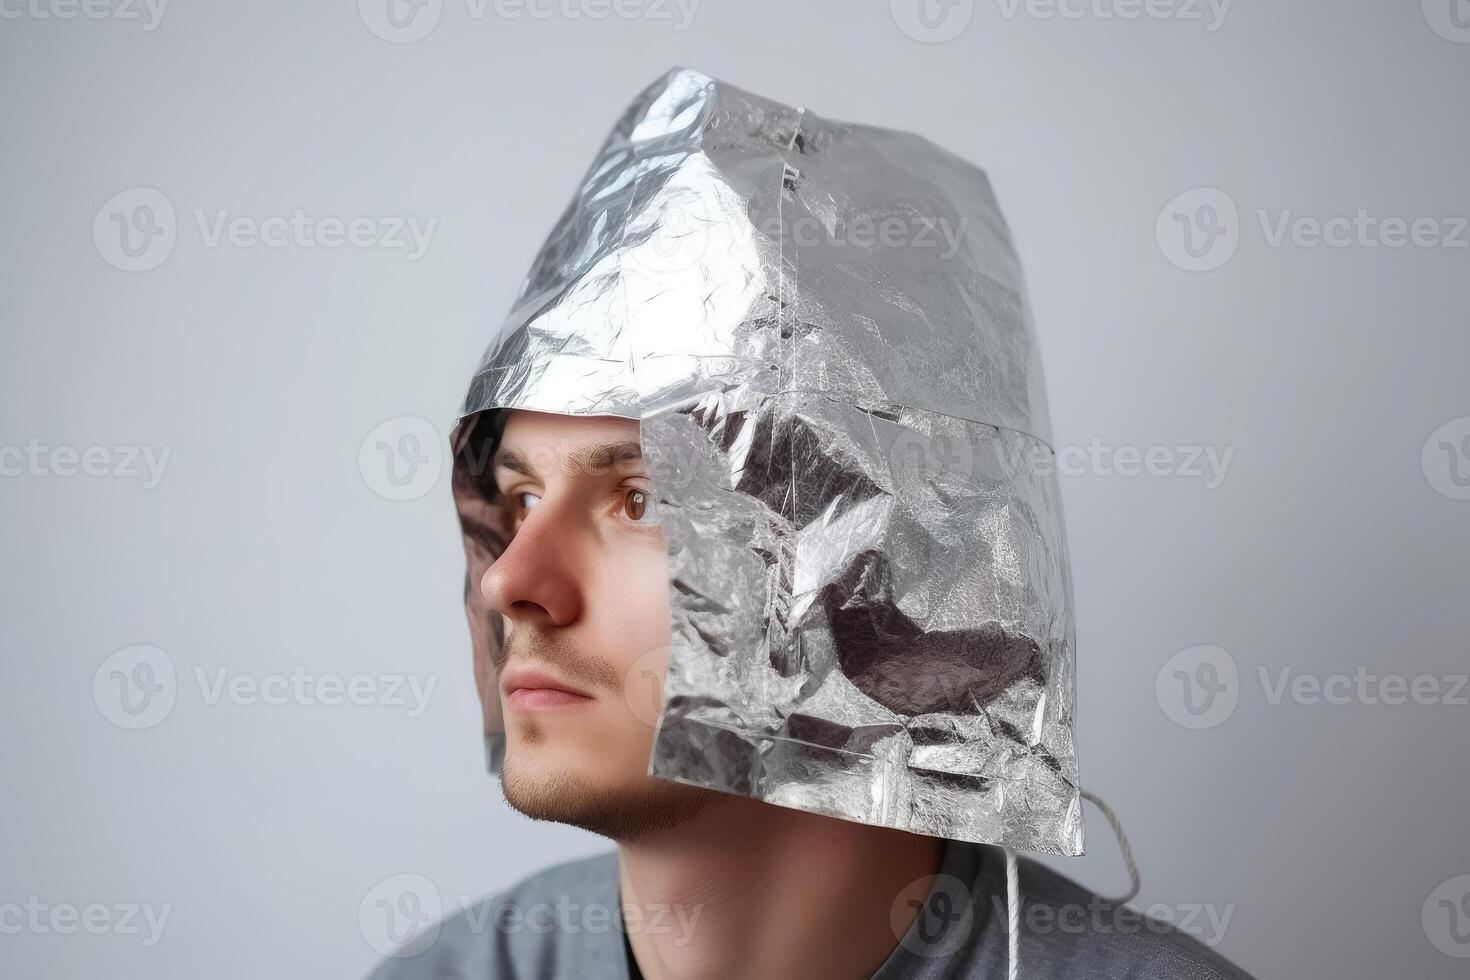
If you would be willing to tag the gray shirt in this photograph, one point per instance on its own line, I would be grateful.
(563, 923)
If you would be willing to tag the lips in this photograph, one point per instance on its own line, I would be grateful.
(528, 686)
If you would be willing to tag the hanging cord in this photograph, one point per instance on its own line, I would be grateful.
(1134, 881)
(1013, 887)
(1013, 916)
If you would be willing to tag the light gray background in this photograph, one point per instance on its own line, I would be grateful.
(1321, 829)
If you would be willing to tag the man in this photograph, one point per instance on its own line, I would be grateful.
(801, 680)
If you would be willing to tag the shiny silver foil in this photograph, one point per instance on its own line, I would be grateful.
(824, 332)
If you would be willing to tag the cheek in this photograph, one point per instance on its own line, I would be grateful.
(633, 599)
(635, 614)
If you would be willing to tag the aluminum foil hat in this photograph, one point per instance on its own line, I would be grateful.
(824, 333)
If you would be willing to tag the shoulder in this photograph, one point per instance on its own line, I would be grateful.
(552, 923)
(1068, 930)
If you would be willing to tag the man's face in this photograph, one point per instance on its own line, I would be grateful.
(582, 592)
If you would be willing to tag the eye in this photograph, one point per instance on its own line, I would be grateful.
(639, 506)
(516, 499)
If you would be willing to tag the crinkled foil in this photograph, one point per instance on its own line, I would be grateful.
(824, 332)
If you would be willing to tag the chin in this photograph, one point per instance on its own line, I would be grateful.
(621, 810)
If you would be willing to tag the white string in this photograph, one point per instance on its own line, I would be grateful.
(1013, 915)
(1013, 886)
(1133, 879)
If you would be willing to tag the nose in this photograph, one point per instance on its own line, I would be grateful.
(537, 579)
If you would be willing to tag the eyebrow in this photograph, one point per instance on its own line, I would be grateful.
(585, 459)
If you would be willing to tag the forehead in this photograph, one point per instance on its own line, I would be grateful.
(541, 443)
(523, 427)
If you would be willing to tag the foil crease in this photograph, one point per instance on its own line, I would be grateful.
(871, 610)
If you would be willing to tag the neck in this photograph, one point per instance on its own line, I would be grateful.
(752, 889)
